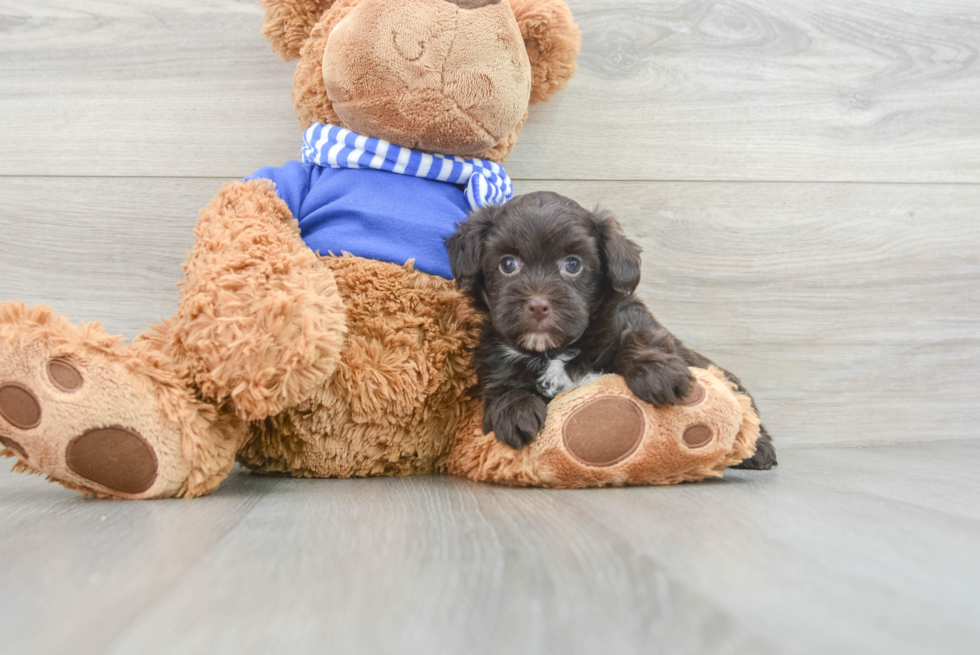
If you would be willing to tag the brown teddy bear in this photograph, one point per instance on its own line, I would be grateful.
(356, 364)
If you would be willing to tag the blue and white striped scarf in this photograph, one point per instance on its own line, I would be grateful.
(330, 145)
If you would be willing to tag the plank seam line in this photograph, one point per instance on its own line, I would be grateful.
(856, 445)
(527, 179)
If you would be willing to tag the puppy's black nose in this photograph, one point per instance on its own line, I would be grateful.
(539, 308)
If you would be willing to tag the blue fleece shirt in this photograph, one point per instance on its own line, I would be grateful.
(371, 213)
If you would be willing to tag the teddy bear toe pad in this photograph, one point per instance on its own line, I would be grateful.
(19, 406)
(695, 396)
(12, 445)
(64, 376)
(697, 435)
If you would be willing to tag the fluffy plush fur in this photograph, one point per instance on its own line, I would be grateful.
(400, 391)
(260, 321)
(339, 366)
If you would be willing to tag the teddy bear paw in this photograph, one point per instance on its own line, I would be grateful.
(115, 457)
(602, 435)
(72, 407)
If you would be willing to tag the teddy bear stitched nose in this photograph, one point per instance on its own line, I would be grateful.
(473, 4)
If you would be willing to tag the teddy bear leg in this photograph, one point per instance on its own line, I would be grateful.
(103, 417)
(260, 321)
(601, 435)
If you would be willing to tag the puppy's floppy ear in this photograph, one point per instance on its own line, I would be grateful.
(288, 23)
(620, 256)
(466, 248)
(552, 40)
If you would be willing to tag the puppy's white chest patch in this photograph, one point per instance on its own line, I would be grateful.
(555, 379)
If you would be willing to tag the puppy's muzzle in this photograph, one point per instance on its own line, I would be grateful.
(539, 322)
(539, 308)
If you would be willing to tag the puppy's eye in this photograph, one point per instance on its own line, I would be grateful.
(509, 265)
(572, 265)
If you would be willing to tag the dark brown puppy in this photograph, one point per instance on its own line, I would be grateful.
(557, 282)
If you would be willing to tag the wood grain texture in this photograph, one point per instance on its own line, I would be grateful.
(851, 311)
(875, 90)
(839, 551)
(99, 249)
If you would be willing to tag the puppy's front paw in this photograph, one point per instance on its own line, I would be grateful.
(516, 421)
(660, 382)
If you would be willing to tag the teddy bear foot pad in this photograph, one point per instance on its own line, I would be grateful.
(604, 431)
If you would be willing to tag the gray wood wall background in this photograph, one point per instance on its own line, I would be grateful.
(804, 178)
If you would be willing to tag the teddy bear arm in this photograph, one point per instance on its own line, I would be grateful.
(260, 321)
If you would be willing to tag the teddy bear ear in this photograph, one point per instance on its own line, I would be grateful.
(288, 23)
(552, 40)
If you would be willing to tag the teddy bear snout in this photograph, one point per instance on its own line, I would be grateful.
(410, 38)
(433, 74)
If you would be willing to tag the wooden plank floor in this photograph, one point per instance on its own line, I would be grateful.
(804, 178)
(842, 550)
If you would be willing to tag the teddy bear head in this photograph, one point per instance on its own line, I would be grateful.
(453, 77)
